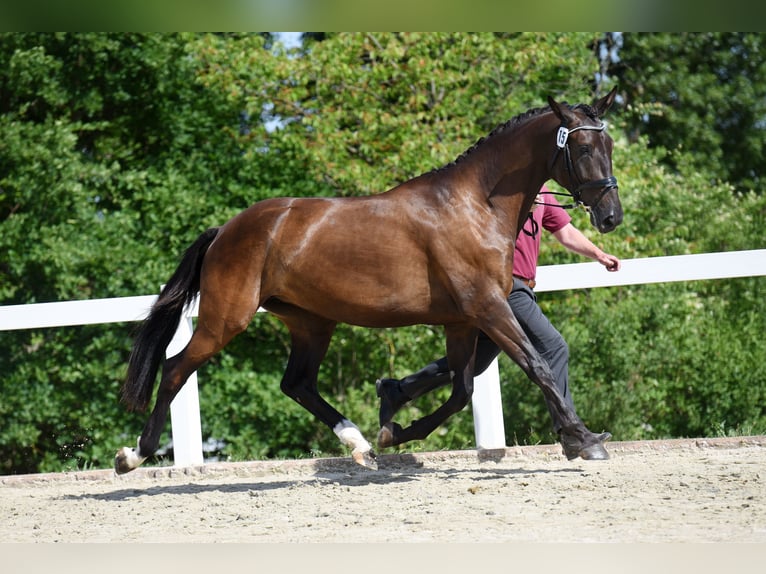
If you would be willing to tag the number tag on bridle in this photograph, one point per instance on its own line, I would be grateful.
(561, 137)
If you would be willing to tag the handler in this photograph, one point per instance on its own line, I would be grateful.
(547, 213)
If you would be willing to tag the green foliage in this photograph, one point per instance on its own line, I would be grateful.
(117, 150)
(363, 112)
(700, 93)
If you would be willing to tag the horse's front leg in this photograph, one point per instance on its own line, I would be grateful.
(576, 439)
(461, 353)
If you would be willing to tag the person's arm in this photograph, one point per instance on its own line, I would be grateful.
(574, 240)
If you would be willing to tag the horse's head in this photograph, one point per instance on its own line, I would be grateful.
(585, 166)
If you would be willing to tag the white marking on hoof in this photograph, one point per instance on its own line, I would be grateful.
(350, 435)
(128, 459)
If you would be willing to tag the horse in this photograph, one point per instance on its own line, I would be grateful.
(436, 249)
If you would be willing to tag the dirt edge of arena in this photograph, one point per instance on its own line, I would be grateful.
(385, 461)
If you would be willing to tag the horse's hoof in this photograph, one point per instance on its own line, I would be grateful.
(594, 452)
(121, 460)
(128, 459)
(365, 459)
(572, 448)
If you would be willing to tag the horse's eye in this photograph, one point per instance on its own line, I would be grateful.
(586, 150)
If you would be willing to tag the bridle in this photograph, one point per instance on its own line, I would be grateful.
(607, 183)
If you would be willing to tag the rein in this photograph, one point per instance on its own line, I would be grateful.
(607, 183)
(567, 206)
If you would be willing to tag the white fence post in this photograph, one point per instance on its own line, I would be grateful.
(186, 425)
(487, 404)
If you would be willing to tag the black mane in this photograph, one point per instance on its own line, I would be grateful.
(515, 122)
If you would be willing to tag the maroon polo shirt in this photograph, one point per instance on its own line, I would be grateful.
(546, 217)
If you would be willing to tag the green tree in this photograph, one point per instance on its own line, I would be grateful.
(700, 96)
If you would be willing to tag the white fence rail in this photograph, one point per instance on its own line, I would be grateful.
(487, 407)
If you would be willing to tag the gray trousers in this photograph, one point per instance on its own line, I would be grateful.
(544, 337)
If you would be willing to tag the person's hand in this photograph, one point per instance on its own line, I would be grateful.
(610, 262)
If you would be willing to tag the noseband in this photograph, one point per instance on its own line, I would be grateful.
(562, 142)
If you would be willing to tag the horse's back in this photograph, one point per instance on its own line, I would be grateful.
(355, 260)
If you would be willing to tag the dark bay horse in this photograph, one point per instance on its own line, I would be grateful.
(437, 249)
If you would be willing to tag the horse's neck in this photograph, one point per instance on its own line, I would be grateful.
(513, 169)
(509, 171)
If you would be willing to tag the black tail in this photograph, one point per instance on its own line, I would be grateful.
(158, 329)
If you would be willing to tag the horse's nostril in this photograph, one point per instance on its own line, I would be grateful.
(614, 219)
(609, 223)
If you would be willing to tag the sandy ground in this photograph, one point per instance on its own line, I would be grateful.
(703, 490)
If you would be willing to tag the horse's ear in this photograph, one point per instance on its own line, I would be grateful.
(562, 112)
(602, 105)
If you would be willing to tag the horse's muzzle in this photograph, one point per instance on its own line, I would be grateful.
(606, 214)
(606, 220)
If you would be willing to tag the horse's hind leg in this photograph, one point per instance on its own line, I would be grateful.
(211, 335)
(310, 336)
